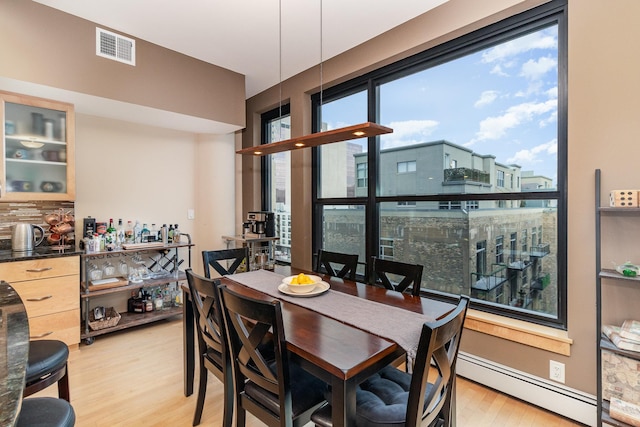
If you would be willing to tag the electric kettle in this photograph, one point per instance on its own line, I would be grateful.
(23, 237)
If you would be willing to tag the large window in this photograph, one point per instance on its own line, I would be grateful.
(276, 197)
(483, 115)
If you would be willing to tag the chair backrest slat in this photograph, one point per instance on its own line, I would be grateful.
(258, 346)
(411, 275)
(439, 344)
(207, 311)
(213, 259)
(326, 261)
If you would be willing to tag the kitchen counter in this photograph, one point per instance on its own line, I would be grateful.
(14, 349)
(38, 253)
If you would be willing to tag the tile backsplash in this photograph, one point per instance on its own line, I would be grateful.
(28, 212)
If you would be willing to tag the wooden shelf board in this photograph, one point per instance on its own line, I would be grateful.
(129, 320)
(132, 286)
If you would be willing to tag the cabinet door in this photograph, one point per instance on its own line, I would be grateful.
(38, 159)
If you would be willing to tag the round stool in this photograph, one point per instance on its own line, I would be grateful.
(47, 365)
(46, 412)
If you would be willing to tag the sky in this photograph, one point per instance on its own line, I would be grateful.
(500, 101)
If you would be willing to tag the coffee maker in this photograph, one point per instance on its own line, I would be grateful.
(261, 224)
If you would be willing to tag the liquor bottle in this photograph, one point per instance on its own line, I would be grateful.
(137, 232)
(171, 231)
(144, 233)
(129, 235)
(153, 236)
(110, 235)
(176, 234)
(164, 234)
(120, 234)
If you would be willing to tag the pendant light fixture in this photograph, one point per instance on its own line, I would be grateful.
(362, 130)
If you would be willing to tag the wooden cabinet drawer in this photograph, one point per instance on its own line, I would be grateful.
(46, 296)
(61, 326)
(19, 271)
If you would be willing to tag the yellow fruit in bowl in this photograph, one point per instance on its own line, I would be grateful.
(301, 279)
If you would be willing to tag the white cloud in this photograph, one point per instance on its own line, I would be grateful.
(486, 98)
(409, 132)
(496, 127)
(529, 157)
(511, 48)
(497, 69)
(534, 70)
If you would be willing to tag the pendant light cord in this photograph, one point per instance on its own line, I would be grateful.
(321, 76)
(280, 65)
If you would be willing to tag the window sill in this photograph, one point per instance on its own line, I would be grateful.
(542, 337)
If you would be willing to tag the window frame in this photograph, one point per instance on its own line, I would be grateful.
(265, 164)
(551, 13)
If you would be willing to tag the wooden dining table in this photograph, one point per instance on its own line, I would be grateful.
(340, 354)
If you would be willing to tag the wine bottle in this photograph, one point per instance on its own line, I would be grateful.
(110, 235)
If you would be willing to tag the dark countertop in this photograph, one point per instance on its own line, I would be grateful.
(14, 350)
(38, 253)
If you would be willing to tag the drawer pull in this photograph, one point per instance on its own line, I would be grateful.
(35, 337)
(41, 298)
(39, 270)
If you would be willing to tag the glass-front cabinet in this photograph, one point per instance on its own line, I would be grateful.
(38, 149)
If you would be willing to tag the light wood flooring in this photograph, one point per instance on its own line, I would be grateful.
(134, 378)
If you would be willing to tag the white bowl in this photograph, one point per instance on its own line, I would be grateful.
(302, 289)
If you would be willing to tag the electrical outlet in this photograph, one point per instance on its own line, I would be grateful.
(556, 371)
(191, 214)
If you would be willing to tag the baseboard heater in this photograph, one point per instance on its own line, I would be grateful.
(568, 402)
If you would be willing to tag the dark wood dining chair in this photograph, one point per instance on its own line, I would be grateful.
(395, 275)
(267, 383)
(213, 353)
(47, 365)
(392, 397)
(213, 259)
(337, 264)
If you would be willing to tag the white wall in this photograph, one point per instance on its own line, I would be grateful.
(132, 171)
(215, 191)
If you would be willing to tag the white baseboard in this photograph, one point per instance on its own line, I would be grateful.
(555, 397)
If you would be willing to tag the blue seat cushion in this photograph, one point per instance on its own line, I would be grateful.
(381, 400)
(45, 356)
(46, 412)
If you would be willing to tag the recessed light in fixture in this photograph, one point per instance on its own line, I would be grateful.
(359, 133)
(31, 144)
(257, 153)
(299, 144)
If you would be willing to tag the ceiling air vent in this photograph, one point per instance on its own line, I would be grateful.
(114, 46)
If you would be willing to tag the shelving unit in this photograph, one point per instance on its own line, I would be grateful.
(610, 278)
(257, 246)
(167, 258)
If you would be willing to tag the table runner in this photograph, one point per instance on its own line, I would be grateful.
(396, 324)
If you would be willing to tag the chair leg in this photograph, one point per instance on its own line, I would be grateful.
(227, 418)
(241, 416)
(63, 385)
(202, 392)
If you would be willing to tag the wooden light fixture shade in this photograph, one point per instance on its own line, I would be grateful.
(363, 130)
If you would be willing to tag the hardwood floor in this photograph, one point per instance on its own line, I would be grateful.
(134, 378)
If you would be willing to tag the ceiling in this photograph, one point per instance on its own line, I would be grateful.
(265, 40)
